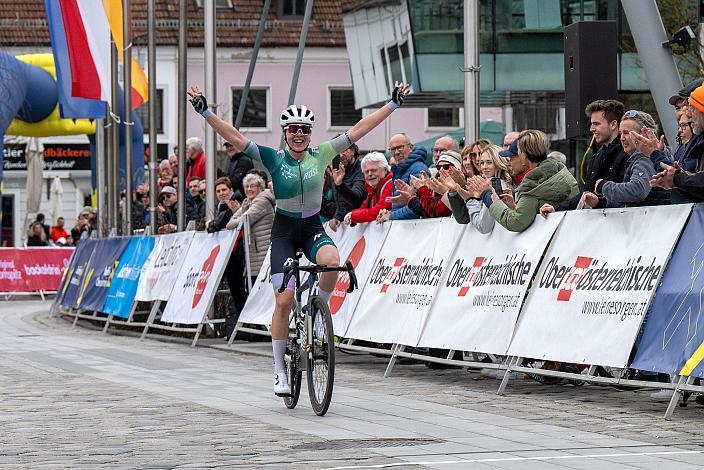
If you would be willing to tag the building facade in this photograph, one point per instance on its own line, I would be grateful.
(354, 51)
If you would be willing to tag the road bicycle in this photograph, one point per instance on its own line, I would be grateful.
(311, 344)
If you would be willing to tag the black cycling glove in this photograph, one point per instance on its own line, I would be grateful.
(200, 104)
(397, 96)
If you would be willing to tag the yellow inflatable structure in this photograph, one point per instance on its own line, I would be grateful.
(53, 125)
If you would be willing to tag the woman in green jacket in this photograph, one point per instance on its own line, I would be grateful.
(547, 181)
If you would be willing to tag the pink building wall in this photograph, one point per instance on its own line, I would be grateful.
(312, 91)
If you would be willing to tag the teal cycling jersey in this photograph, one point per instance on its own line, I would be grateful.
(298, 185)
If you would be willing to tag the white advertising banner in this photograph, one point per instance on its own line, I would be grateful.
(260, 301)
(481, 294)
(595, 283)
(199, 277)
(404, 280)
(360, 245)
(162, 266)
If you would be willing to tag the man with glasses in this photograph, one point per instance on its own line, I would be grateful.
(430, 200)
(166, 210)
(195, 205)
(298, 174)
(688, 185)
(442, 144)
(407, 161)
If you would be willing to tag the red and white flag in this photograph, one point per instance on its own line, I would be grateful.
(88, 41)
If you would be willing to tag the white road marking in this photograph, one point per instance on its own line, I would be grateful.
(519, 459)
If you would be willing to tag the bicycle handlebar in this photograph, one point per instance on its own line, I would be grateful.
(353, 277)
(294, 266)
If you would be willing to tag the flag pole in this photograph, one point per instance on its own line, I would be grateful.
(212, 93)
(181, 96)
(152, 115)
(100, 173)
(114, 168)
(127, 90)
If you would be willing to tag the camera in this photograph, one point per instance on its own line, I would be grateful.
(682, 38)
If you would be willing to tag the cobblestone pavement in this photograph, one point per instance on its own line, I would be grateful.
(77, 398)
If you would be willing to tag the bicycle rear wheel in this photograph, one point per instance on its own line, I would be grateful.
(294, 374)
(321, 358)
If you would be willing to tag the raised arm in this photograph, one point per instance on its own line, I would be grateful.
(226, 131)
(368, 123)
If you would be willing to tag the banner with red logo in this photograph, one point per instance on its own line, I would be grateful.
(159, 272)
(484, 286)
(360, 245)
(595, 283)
(199, 277)
(404, 280)
(32, 269)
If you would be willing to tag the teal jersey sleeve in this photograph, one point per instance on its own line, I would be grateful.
(325, 153)
(270, 157)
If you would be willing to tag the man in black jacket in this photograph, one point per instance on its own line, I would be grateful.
(195, 205)
(609, 162)
(348, 191)
(238, 166)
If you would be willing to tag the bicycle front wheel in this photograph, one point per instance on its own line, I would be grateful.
(321, 358)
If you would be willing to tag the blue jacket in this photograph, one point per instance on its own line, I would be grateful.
(412, 166)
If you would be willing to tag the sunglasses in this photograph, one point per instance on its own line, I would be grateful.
(631, 113)
(299, 129)
(444, 167)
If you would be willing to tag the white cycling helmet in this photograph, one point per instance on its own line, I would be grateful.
(295, 114)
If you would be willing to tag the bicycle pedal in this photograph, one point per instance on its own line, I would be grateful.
(283, 395)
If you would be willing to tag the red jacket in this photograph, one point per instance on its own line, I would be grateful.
(432, 205)
(376, 200)
(57, 233)
(197, 167)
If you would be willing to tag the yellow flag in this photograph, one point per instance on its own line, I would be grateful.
(140, 84)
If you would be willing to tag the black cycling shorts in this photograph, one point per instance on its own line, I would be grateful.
(289, 234)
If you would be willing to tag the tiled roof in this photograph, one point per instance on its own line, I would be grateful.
(352, 5)
(23, 23)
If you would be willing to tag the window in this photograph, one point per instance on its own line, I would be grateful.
(443, 117)
(255, 110)
(219, 4)
(143, 113)
(342, 111)
(291, 7)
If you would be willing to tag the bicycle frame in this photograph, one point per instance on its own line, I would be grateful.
(303, 323)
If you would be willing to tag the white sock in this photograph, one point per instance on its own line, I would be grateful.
(324, 295)
(279, 348)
